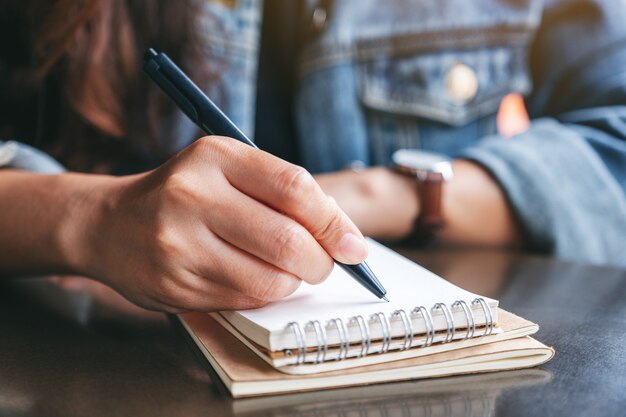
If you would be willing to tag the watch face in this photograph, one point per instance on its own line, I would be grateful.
(423, 162)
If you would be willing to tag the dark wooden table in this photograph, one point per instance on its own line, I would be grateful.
(67, 351)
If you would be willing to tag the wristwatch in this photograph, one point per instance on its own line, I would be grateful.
(430, 170)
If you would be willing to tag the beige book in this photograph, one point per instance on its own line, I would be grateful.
(466, 395)
(246, 374)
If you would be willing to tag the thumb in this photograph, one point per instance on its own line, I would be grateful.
(337, 234)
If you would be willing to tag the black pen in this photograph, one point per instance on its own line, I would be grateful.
(202, 111)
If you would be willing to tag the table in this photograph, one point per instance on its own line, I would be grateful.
(66, 352)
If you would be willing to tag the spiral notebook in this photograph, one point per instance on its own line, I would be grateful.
(245, 374)
(338, 334)
(339, 319)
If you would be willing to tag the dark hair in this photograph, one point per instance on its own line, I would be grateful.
(83, 59)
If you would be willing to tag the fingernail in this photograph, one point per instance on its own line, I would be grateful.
(353, 248)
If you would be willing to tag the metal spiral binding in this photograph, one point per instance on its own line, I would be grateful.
(364, 329)
(449, 321)
(408, 328)
(488, 317)
(344, 341)
(363, 324)
(322, 340)
(428, 321)
(384, 324)
(300, 341)
(469, 317)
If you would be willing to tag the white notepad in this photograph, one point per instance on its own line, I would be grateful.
(339, 315)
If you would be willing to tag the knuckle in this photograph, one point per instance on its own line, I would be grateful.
(265, 287)
(213, 147)
(204, 144)
(274, 286)
(296, 185)
(217, 144)
(332, 225)
(176, 187)
(167, 252)
(180, 190)
(289, 243)
(164, 240)
(222, 146)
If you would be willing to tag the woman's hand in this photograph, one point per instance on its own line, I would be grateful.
(382, 203)
(219, 226)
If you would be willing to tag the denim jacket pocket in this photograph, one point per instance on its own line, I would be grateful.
(452, 77)
(426, 74)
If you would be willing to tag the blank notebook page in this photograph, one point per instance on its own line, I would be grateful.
(408, 286)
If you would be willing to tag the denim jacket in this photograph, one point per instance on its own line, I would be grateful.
(374, 77)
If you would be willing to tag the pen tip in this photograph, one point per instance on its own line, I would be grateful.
(386, 299)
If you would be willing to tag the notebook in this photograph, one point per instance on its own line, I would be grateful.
(511, 327)
(339, 319)
(337, 334)
(245, 374)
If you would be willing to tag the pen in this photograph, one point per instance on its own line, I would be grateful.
(203, 112)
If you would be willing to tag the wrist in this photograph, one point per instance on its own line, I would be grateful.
(81, 231)
(383, 204)
(475, 209)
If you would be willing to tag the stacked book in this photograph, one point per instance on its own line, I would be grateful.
(336, 335)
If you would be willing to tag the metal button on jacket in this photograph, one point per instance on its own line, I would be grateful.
(461, 83)
(318, 20)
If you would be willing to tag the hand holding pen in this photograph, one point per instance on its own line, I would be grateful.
(219, 226)
(201, 110)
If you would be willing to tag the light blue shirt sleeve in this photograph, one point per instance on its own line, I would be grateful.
(20, 156)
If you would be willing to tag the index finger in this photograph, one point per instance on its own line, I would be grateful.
(291, 190)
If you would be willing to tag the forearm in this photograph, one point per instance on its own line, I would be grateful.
(43, 219)
(476, 210)
(385, 205)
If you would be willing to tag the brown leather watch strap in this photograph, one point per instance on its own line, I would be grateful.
(430, 171)
(431, 209)
(430, 190)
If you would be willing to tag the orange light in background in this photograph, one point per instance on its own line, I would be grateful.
(512, 116)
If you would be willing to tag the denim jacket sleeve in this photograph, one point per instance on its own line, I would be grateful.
(566, 176)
